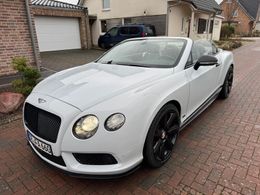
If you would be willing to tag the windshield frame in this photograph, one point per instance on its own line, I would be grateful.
(142, 65)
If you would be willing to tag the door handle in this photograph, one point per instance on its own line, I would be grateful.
(218, 64)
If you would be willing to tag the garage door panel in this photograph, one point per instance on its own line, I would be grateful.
(57, 33)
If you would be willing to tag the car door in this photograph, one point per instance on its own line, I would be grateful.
(204, 81)
(110, 37)
(134, 31)
(123, 34)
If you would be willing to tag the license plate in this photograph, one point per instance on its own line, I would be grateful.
(39, 144)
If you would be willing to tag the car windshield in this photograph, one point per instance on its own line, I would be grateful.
(152, 53)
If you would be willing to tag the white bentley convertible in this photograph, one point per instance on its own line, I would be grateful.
(104, 118)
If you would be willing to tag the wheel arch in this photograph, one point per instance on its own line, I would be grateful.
(171, 102)
(175, 103)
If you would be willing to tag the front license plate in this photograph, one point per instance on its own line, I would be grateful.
(39, 144)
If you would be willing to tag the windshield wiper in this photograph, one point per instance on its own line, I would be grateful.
(130, 64)
(109, 62)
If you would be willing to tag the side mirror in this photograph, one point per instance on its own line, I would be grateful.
(206, 61)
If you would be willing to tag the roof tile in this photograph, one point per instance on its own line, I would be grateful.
(207, 5)
(55, 4)
(251, 6)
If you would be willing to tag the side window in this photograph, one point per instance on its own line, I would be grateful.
(206, 46)
(113, 32)
(197, 51)
(202, 47)
(124, 30)
(134, 30)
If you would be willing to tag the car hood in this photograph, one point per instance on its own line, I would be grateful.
(90, 84)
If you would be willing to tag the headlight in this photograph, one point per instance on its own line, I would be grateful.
(115, 122)
(85, 127)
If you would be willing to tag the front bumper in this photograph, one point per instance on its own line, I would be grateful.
(128, 156)
(80, 175)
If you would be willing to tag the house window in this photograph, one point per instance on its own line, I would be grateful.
(202, 25)
(103, 26)
(211, 26)
(235, 13)
(106, 4)
(128, 20)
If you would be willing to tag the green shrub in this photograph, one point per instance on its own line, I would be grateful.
(29, 76)
(227, 31)
(229, 44)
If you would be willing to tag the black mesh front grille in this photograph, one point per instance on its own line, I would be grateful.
(43, 124)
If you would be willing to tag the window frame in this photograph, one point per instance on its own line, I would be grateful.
(192, 63)
(104, 7)
(235, 14)
(168, 67)
(199, 20)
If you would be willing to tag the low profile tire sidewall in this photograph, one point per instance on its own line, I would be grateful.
(148, 152)
(102, 45)
(224, 92)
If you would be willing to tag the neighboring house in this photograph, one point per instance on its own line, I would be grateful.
(169, 17)
(243, 14)
(28, 28)
(194, 18)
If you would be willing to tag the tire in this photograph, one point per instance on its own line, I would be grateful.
(102, 45)
(227, 86)
(162, 136)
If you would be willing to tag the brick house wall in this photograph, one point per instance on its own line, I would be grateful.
(15, 39)
(82, 15)
(243, 23)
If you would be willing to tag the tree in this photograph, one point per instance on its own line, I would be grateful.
(231, 10)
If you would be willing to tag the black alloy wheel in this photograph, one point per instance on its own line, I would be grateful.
(228, 83)
(162, 136)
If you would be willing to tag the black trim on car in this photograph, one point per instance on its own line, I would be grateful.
(88, 176)
(55, 159)
(200, 109)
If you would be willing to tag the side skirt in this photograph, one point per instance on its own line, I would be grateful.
(203, 107)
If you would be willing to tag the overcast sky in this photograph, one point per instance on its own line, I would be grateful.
(76, 1)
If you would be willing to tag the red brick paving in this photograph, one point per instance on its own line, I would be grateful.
(219, 153)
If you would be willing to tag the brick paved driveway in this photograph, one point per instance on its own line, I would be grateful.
(218, 153)
(60, 60)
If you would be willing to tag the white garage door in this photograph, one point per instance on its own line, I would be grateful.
(57, 33)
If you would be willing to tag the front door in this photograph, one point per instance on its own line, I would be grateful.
(111, 37)
(204, 81)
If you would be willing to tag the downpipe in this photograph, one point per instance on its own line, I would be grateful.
(29, 17)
